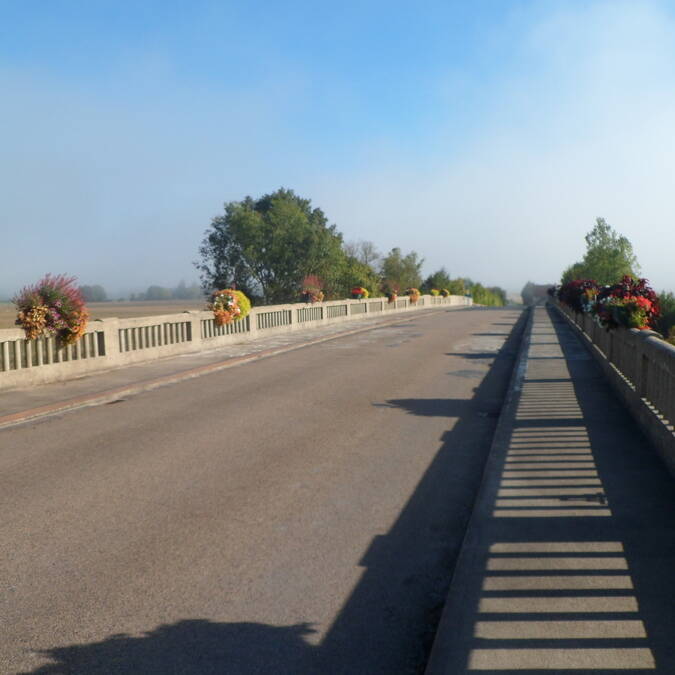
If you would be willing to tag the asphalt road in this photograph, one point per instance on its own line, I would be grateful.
(299, 514)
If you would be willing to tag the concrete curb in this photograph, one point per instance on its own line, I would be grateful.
(441, 657)
(109, 395)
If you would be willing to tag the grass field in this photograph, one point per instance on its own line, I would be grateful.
(122, 310)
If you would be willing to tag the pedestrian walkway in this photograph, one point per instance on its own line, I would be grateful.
(569, 561)
(17, 405)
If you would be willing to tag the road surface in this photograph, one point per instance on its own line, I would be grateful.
(299, 514)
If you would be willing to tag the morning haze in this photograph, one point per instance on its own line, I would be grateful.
(486, 137)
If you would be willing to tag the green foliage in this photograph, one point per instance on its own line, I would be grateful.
(243, 302)
(439, 279)
(573, 273)
(94, 293)
(267, 246)
(457, 287)
(492, 296)
(347, 273)
(609, 257)
(402, 271)
(666, 323)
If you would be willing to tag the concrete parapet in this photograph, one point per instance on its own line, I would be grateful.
(640, 367)
(113, 342)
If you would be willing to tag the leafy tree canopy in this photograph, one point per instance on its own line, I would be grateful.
(266, 247)
(401, 270)
(439, 280)
(609, 257)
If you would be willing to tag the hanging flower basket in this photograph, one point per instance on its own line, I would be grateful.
(359, 293)
(392, 297)
(311, 296)
(445, 292)
(311, 289)
(628, 304)
(53, 306)
(229, 305)
(413, 295)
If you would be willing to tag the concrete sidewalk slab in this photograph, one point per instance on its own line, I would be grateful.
(567, 564)
(20, 405)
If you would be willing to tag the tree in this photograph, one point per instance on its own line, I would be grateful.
(609, 257)
(457, 287)
(94, 293)
(353, 272)
(364, 251)
(402, 271)
(266, 247)
(185, 292)
(157, 293)
(576, 271)
(493, 296)
(438, 280)
(666, 323)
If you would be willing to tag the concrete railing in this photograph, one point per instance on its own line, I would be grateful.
(641, 368)
(109, 343)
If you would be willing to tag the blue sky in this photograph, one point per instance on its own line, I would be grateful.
(487, 136)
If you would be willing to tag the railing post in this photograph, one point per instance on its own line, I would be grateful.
(194, 327)
(111, 343)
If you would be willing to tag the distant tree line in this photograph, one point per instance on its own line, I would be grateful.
(97, 293)
(267, 247)
(180, 292)
(94, 293)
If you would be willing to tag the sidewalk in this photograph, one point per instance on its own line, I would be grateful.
(568, 565)
(18, 405)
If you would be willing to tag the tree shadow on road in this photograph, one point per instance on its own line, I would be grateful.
(429, 407)
(190, 647)
(475, 355)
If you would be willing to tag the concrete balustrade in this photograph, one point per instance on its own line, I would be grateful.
(109, 343)
(641, 368)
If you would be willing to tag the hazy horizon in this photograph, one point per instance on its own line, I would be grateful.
(485, 136)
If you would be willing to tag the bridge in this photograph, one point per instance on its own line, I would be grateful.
(348, 491)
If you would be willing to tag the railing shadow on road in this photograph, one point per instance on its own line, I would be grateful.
(640, 491)
(569, 565)
(388, 623)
